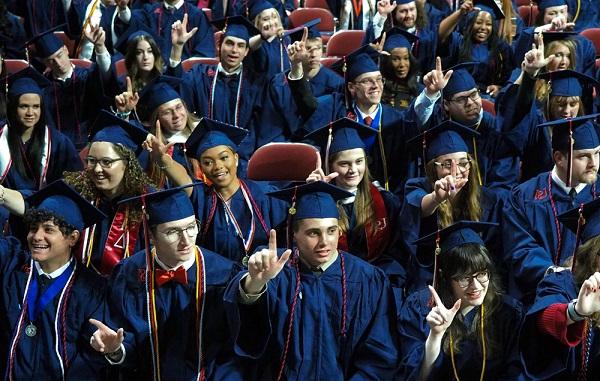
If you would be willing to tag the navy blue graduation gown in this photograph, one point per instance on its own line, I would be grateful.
(420, 261)
(71, 106)
(280, 120)
(13, 48)
(160, 20)
(35, 357)
(425, 49)
(490, 70)
(221, 235)
(543, 356)
(270, 58)
(224, 99)
(503, 362)
(530, 233)
(588, 15)
(63, 157)
(39, 15)
(317, 351)
(79, 8)
(176, 320)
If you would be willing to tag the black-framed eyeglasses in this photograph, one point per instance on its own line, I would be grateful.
(462, 165)
(173, 235)
(474, 96)
(482, 277)
(379, 81)
(104, 162)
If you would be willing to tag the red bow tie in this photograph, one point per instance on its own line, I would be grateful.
(165, 276)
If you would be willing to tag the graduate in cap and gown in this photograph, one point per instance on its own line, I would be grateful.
(449, 192)
(560, 338)
(112, 174)
(166, 302)
(555, 15)
(32, 154)
(71, 101)
(47, 295)
(235, 214)
(280, 118)
(369, 219)
(324, 315)
(462, 327)
(12, 35)
(569, 96)
(415, 17)
(361, 101)
(479, 43)
(268, 53)
(40, 15)
(458, 98)
(228, 92)
(160, 17)
(400, 69)
(535, 241)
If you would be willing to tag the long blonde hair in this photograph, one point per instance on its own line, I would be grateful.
(466, 204)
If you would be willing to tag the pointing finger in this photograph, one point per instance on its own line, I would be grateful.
(436, 297)
(272, 240)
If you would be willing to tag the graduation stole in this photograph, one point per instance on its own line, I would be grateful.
(378, 236)
(252, 206)
(6, 159)
(200, 289)
(60, 328)
(211, 95)
(75, 98)
(357, 20)
(120, 242)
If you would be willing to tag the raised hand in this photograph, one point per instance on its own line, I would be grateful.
(95, 35)
(179, 33)
(155, 144)
(436, 80)
(385, 7)
(588, 301)
(319, 175)
(448, 187)
(534, 59)
(127, 100)
(379, 45)
(105, 340)
(297, 51)
(264, 265)
(467, 7)
(440, 317)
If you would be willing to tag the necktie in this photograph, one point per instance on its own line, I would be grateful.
(572, 195)
(368, 121)
(165, 276)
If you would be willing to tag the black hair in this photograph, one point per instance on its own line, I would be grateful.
(34, 216)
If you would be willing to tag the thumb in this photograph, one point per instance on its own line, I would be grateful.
(455, 307)
(120, 333)
(448, 75)
(331, 176)
(193, 31)
(284, 257)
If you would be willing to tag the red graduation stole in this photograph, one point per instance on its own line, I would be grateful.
(121, 240)
(378, 237)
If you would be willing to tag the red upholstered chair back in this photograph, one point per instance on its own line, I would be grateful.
(283, 162)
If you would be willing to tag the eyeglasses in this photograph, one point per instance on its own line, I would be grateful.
(379, 81)
(482, 277)
(462, 165)
(175, 234)
(105, 162)
(474, 96)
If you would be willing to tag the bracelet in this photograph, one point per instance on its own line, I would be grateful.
(573, 314)
(164, 167)
(123, 115)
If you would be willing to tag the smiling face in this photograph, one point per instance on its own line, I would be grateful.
(219, 164)
(563, 56)
(366, 89)
(172, 116)
(406, 15)
(482, 29)
(233, 52)
(49, 246)
(350, 164)
(175, 240)
(317, 239)
(107, 180)
(473, 294)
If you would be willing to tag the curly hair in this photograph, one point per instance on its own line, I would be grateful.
(34, 216)
(466, 204)
(134, 183)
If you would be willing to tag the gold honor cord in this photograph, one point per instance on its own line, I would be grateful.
(482, 348)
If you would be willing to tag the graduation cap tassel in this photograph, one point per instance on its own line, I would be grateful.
(291, 212)
(570, 155)
(580, 224)
(437, 252)
(328, 146)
